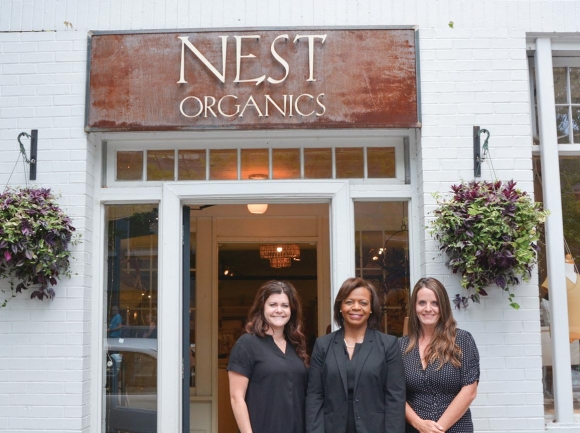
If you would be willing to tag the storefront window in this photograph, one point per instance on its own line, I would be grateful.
(131, 318)
(382, 257)
(570, 194)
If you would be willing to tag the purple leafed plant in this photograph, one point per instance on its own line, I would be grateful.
(35, 235)
(490, 232)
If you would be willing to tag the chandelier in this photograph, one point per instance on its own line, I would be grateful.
(280, 262)
(280, 255)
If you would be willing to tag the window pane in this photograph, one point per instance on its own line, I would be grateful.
(372, 242)
(160, 165)
(576, 124)
(381, 162)
(286, 163)
(129, 165)
(563, 125)
(575, 85)
(570, 195)
(380, 229)
(223, 164)
(349, 163)
(318, 163)
(131, 323)
(560, 85)
(255, 164)
(191, 165)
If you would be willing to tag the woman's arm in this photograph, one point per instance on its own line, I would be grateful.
(422, 425)
(238, 388)
(458, 406)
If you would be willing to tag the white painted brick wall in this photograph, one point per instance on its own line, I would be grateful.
(473, 74)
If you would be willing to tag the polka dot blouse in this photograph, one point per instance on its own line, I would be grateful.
(431, 391)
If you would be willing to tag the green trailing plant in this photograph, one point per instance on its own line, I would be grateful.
(490, 232)
(35, 235)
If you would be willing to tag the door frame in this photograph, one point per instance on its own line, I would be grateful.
(336, 192)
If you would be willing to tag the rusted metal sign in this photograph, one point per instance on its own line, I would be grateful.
(253, 79)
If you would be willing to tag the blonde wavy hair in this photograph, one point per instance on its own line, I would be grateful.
(442, 347)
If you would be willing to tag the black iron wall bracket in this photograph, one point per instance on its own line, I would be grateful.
(478, 158)
(33, 151)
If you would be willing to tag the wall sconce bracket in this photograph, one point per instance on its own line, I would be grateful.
(477, 156)
(33, 151)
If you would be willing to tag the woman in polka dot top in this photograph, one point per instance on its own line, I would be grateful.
(441, 364)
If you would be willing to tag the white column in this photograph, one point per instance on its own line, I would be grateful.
(169, 365)
(564, 411)
(341, 242)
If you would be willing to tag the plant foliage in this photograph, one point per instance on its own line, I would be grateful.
(34, 241)
(490, 232)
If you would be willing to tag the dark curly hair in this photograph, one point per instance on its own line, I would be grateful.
(348, 286)
(293, 330)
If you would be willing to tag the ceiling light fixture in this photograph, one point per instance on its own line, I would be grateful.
(257, 208)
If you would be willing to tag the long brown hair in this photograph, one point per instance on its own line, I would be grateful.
(348, 286)
(442, 347)
(293, 330)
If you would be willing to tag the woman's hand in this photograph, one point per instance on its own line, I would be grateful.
(423, 425)
(428, 426)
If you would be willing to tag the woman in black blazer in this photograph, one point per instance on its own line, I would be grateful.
(356, 382)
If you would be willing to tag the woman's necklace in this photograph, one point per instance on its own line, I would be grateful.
(350, 347)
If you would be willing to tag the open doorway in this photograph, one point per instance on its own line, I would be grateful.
(226, 268)
(243, 268)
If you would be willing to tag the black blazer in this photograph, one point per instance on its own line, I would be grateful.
(379, 386)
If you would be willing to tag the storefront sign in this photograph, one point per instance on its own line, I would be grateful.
(253, 79)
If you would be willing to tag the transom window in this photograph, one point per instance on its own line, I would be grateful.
(290, 157)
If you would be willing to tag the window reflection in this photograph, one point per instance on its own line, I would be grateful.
(129, 165)
(131, 322)
(191, 165)
(349, 162)
(223, 164)
(570, 195)
(318, 163)
(382, 246)
(160, 164)
(286, 163)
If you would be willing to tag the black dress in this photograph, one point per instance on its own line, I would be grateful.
(431, 391)
(277, 384)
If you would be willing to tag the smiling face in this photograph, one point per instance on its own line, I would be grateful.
(277, 311)
(356, 308)
(427, 308)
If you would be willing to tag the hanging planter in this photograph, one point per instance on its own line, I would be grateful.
(35, 235)
(490, 232)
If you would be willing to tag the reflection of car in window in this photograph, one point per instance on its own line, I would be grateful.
(131, 388)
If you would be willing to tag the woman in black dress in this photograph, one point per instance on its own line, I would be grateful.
(267, 368)
(441, 364)
(356, 382)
